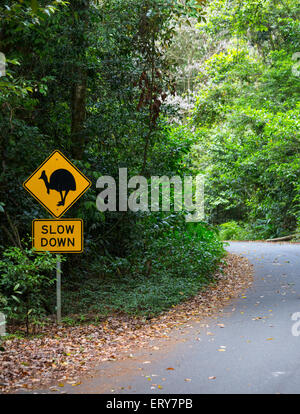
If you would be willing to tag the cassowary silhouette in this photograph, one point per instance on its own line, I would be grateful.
(60, 180)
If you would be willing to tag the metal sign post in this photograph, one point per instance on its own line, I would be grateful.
(58, 289)
(2, 324)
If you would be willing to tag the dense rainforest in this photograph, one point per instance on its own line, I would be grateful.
(162, 88)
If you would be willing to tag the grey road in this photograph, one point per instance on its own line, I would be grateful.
(254, 352)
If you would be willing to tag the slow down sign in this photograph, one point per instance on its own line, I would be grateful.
(58, 236)
(57, 184)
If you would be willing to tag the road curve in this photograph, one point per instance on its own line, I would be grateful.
(254, 352)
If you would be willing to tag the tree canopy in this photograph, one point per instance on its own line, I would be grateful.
(162, 88)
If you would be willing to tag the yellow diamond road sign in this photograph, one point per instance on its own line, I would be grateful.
(57, 184)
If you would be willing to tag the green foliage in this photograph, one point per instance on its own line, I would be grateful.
(247, 119)
(154, 277)
(265, 24)
(232, 231)
(91, 78)
(25, 279)
(118, 47)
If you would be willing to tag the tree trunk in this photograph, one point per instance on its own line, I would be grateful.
(79, 76)
(291, 236)
(78, 114)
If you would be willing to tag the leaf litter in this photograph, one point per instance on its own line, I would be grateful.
(63, 354)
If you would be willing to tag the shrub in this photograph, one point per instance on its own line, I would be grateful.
(25, 279)
(232, 231)
(173, 262)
